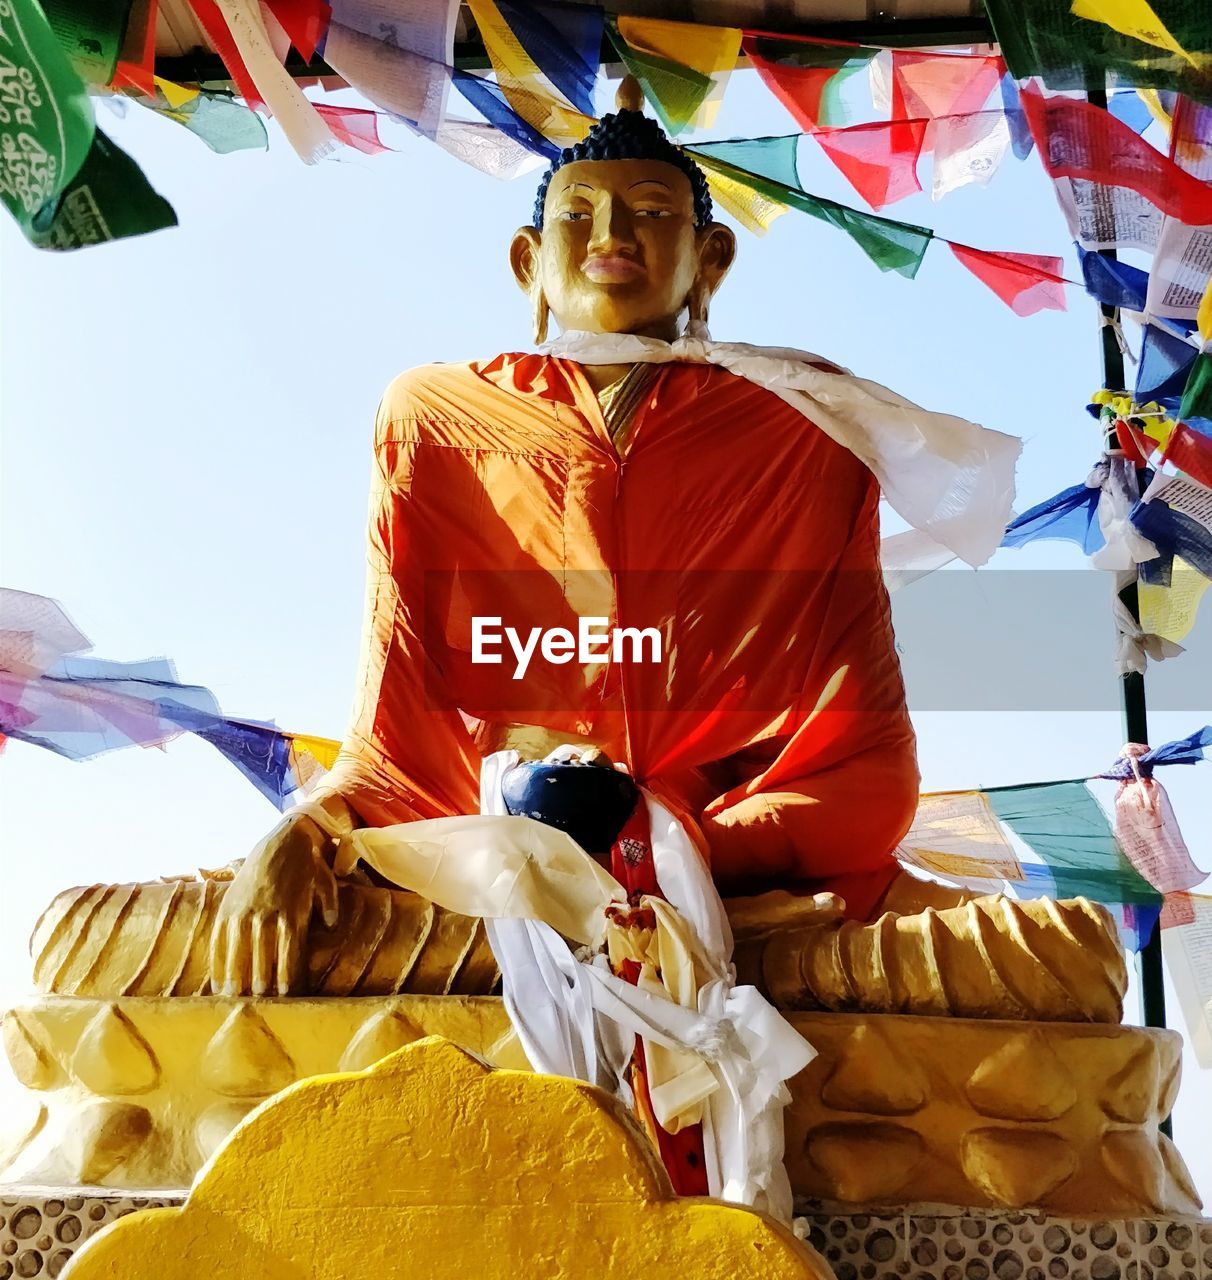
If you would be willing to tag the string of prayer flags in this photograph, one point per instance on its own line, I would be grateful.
(1025, 282)
(1112, 282)
(1076, 139)
(755, 211)
(892, 246)
(930, 85)
(879, 160)
(681, 66)
(1070, 51)
(528, 91)
(807, 78)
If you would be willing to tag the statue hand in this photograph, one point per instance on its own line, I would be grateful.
(257, 943)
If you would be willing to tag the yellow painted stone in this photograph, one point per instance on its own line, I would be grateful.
(433, 1164)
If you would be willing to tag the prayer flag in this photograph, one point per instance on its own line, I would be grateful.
(1025, 282)
(1134, 18)
(211, 20)
(1113, 283)
(1079, 140)
(1169, 611)
(137, 57)
(1067, 829)
(1043, 38)
(354, 126)
(807, 78)
(710, 52)
(1197, 394)
(90, 34)
(879, 160)
(1016, 118)
(1165, 361)
(1070, 516)
(217, 119)
(1190, 451)
(1203, 317)
(753, 209)
(1149, 834)
(966, 149)
(956, 834)
(490, 101)
(565, 43)
(528, 91)
(304, 21)
(773, 158)
(937, 84)
(1175, 514)
(485, 148)
(1127, 106)
(46, 129)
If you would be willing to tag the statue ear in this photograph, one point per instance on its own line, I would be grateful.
(524, 257)
(717, 252)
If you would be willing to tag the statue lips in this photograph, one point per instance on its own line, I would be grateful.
(613, 268)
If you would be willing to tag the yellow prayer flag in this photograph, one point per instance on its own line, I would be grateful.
(176, 95)
(1152, 99)
(1133, 18)
(711, 51)
(529, 92)
(752, 209)
(1170, 611)
(957, 834)
(323, 750)
(1203, 317)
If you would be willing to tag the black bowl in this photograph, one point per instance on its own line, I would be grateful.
(589, 802)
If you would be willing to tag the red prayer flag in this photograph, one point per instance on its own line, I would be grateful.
(354, 126)
(936, 84)
(138, 69)
(799, 88)
(211, 19)
(1025, 282)
(1079, 140)
(304, 21)
(1191, 451)
(879, 160)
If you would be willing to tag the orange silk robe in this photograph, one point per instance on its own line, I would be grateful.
(776, 722)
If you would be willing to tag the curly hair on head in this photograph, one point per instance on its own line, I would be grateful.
(630, 135)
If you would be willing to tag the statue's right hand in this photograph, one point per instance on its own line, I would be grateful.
(257, 945)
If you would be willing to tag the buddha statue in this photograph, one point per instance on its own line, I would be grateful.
(661, 555)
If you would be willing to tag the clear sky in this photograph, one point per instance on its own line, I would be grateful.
(186, 432)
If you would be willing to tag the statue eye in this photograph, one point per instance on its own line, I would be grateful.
(654, 213)
(574, 215)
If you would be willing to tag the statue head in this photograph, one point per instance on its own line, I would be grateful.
(623, 240)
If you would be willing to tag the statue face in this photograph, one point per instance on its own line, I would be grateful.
(619, 252)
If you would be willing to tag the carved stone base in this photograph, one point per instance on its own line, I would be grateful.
(956, 1244)
(1062, 1117)
(42, 1227)
(1055, 1116)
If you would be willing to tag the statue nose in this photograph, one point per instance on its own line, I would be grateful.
(612, 228)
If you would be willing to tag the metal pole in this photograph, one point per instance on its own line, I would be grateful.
(1132, 684)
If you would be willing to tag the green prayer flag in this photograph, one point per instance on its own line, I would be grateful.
(90, 32)
(676, 92)
(1066, 826)
(891, 245)
(1043, 38)
(109, 199)
(46, 119)
(1197, 394)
